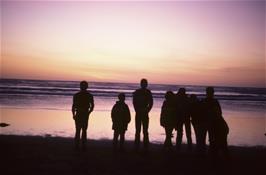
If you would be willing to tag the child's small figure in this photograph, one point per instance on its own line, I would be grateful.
(120, 118)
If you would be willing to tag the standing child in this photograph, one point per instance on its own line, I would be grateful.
(120, 118)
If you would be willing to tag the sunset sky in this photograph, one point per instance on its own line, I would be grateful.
(197, 43)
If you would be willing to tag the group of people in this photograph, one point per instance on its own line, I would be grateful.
(178, 111)
(181, 111)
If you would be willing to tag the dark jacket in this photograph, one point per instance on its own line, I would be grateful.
(196, 112)
(142, 100)
(168, 114)
(182, 108)
(83, 104)
(211, 109)
(120, 116)
(217, 127)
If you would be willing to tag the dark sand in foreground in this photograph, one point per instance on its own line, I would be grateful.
(53, 155)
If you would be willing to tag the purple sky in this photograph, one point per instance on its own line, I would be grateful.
(217, 43)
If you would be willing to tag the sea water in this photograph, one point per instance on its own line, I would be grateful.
(39, 107)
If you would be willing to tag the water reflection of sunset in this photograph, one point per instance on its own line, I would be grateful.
(60, 123)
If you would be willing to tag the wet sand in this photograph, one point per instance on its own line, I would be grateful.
(55, 155)
(246, 128)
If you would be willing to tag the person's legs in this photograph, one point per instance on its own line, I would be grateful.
(77, 134)
(213, 146)
(115, 139)
(179, 134)
(145, 122)
(188, 133)
(77, 137)
(168, 140)
(202, 138)
(224, 148)
(197, 135)
(84, 133)
(84, 138)
(122, 140)
(166, 137)
(138, 129)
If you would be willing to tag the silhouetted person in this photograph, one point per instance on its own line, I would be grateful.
(199, 122)
(168, 117)
(217, 127)
(221, 131)
(120, 118)
(142, 102)
(83, 105)
(183, 118)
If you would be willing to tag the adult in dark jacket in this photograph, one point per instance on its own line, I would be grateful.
(83, 105)
(120, 117)
(183, 118)
(168, 117)
(142, 102)
(217, 127)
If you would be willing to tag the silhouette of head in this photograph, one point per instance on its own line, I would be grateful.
(182, 91)
(210, 92)
(169, 95)
(83, 85)
(121, 97)
(143, 83)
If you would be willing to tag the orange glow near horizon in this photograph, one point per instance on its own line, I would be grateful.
(218, 43)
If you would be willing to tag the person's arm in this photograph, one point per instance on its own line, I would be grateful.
(219, 109)
(226, 127)
(128, 114)
(162, 115)
(91, 105)
(74, 107)
(113, 113)
(134, 100)
(150, 101)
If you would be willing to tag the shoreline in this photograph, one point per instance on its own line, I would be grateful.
(129, 142)
(56, 155)
(60, 123)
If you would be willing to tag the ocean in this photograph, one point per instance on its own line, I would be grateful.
(42, 107)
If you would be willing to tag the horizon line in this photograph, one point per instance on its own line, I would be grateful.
(199, 85)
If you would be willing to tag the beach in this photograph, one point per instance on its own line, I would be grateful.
(43, 107)
(197, 63)
(55, 155)
(39, 138)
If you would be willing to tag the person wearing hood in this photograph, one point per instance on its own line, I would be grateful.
(120, 117)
